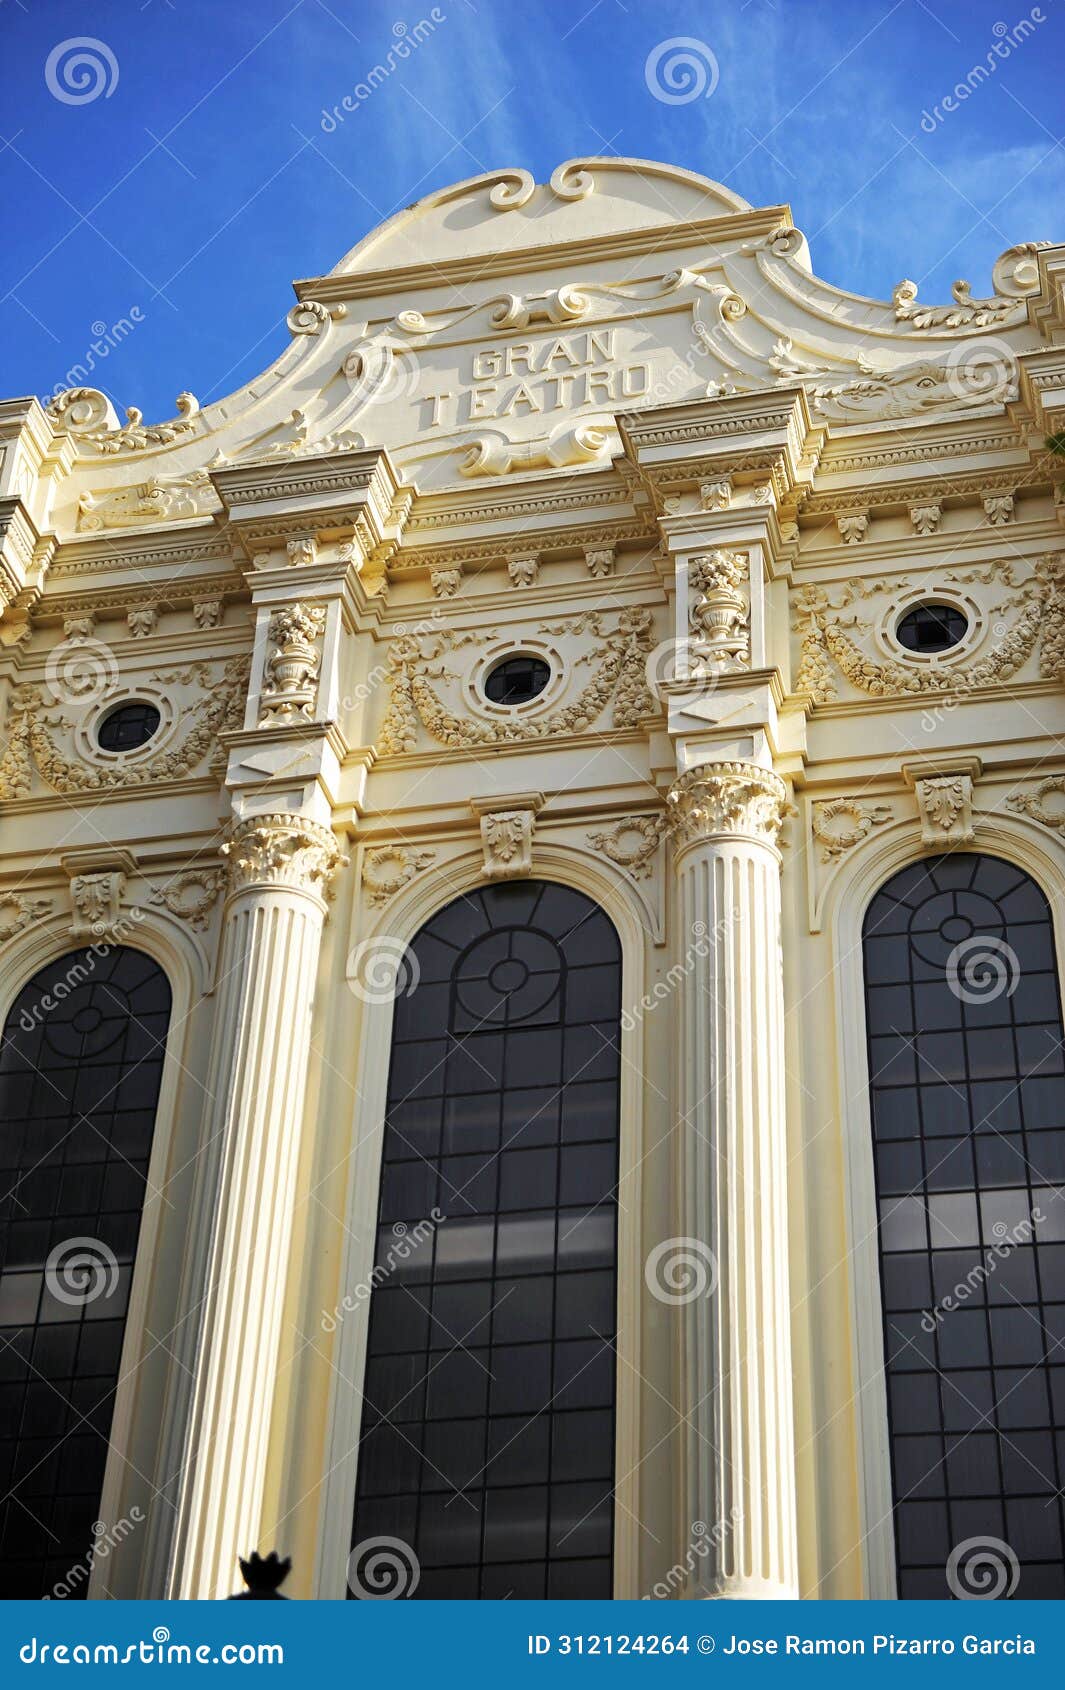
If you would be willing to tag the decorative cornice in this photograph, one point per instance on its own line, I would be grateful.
(281, 850)
(718, 799)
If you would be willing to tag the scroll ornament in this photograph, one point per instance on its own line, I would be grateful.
(620, 657)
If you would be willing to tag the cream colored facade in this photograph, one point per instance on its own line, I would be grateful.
(614, 421)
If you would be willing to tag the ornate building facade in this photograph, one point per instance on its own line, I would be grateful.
(530, 929)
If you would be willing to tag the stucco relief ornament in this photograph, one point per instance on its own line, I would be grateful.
(1045, 803)
(18, 912)
(600, 562)
(281, 850)
(386, 869)
(302, 549)
(841, 823)
(998, 508)
(717, 614)
(161, 498)
(945, 805)
(925, 518)
(631, 843)
(86, 413)
(207, 613)
(32, 745)
(290, 678)
(724, 798)
(445, 582)
(716, 495)
(853, 526)
(96, 901)
(523, 570)
(191, 895)
(1014, 277)
(142, 620)
(507, 833)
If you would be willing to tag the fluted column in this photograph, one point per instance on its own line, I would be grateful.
(279, 869)
(739, 1448)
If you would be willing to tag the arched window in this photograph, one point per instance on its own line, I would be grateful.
(79, 1081)
(488, 1420)
(968, 1105)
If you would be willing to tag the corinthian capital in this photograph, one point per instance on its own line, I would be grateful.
(720, 798)
(281, 850)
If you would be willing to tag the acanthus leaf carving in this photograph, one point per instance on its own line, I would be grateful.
(281, 850)
(715, 799)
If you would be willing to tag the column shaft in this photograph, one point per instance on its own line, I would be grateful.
(739, 1461)
(256, 1085)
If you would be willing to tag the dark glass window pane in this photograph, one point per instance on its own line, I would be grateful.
(517, 680)
(965, 1040)
(128, 727)
(488, 1415)
(80, 1069)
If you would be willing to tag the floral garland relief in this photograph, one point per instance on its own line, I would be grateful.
(31, 745)
(1041, 609)
(620, 658)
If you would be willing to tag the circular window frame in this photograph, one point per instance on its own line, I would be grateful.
(500, 652)
(892, 646)
(85, 735)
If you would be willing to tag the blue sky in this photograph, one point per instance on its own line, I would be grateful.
(190, 194)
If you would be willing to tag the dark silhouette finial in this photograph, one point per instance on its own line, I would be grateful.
(263, 1574)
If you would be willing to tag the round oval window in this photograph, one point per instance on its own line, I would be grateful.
(931, 628)
(517, 680)
(128, 727)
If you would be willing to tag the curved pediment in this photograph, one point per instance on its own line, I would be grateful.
(501, 326)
